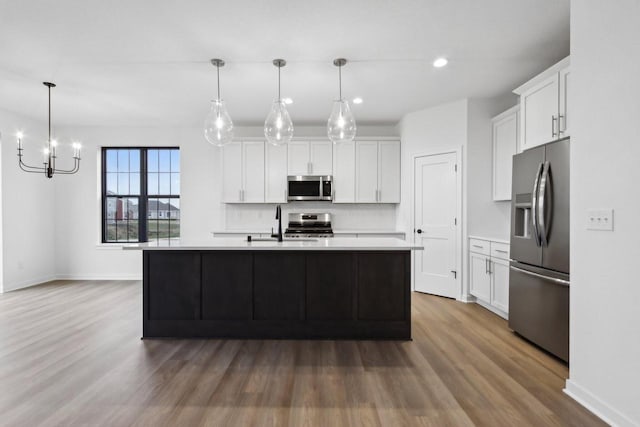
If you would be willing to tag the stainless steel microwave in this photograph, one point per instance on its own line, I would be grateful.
(309, 187)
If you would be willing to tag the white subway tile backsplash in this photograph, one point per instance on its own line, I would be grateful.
(351, 216)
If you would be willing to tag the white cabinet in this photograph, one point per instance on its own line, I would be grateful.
(377, 172)
(321, 157)
(298, 158)
(479, 279)
(564, 117)
(243, 165)
(310, 158)
(489, 274)
(500, 284)
(366, 171)
(504, 146)
(275, 175)
(544, 106)
(389, 172)
(344, 175)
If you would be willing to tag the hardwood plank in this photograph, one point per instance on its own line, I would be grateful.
(71, 354)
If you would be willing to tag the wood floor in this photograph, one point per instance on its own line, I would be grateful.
(70, 354)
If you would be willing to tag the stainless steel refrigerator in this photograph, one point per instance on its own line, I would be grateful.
(539, 272)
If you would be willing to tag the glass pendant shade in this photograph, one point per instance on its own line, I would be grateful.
(341, 126)
(278, 127)
(218, 127)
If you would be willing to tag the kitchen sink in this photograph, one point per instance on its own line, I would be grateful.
(273, 239)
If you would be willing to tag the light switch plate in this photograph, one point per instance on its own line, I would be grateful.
(600, 219)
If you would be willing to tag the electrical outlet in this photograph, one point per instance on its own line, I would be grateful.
(600, 219)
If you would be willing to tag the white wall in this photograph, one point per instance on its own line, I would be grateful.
(431, 131)
(28, 207)
(605, 173)
(485, 217)
(79, 254)
(465, 125)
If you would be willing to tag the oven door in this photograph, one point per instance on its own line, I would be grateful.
(306, 188)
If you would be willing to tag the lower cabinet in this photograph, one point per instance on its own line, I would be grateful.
(489, 274)
(278, 281)
(330, 279)
(277, 294)
(176, 279)
(226, 286)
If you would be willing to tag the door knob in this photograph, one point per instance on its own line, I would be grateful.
(419, 231)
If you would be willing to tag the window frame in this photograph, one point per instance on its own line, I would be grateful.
(143, 197)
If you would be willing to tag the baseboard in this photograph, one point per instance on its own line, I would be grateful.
(599, 408)
(45, 279)
(27, 283)
(98, 277)
(467, 298)
(492, 309)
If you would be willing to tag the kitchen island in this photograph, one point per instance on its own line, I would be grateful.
(336, 288)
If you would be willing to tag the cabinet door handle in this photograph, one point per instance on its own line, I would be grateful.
(486, 266)
(239, 195)
(562, 127)
(553, 126)
(501, 251)
(478, 246)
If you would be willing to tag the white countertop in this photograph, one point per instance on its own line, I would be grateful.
(238, 244)
(491, 239)
(335, 231)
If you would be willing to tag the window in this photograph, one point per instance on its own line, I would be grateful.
(140, 194)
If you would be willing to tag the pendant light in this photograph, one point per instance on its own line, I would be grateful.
(48, 167)
(341, 126)
(218, 127)
(278, 128)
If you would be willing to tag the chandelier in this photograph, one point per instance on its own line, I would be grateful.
(49, 153)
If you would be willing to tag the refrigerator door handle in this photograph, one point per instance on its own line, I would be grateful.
(542, 197)
(540, 276)
(534, 206)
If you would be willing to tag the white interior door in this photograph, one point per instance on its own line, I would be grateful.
(435, 225)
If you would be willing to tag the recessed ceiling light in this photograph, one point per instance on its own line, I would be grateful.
(288, 101)
(357, 100)
(440, 62)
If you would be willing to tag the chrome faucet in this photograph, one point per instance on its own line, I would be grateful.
(279, 218)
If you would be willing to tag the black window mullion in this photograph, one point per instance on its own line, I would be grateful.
(142, 214)
(104, 195)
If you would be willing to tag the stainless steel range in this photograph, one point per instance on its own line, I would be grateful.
(309, 225)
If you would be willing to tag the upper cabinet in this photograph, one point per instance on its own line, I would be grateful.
(275, 174)
(544, 106)
(505, 128)
(243, 166)
(310, 158)
(344, 174)
(364, 171)
(377, 172)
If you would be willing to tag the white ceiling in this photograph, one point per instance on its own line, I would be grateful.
(146, 63)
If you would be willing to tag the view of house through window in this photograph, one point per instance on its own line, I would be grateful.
(140, 194)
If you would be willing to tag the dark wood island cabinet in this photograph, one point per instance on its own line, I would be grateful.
(280, 294)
